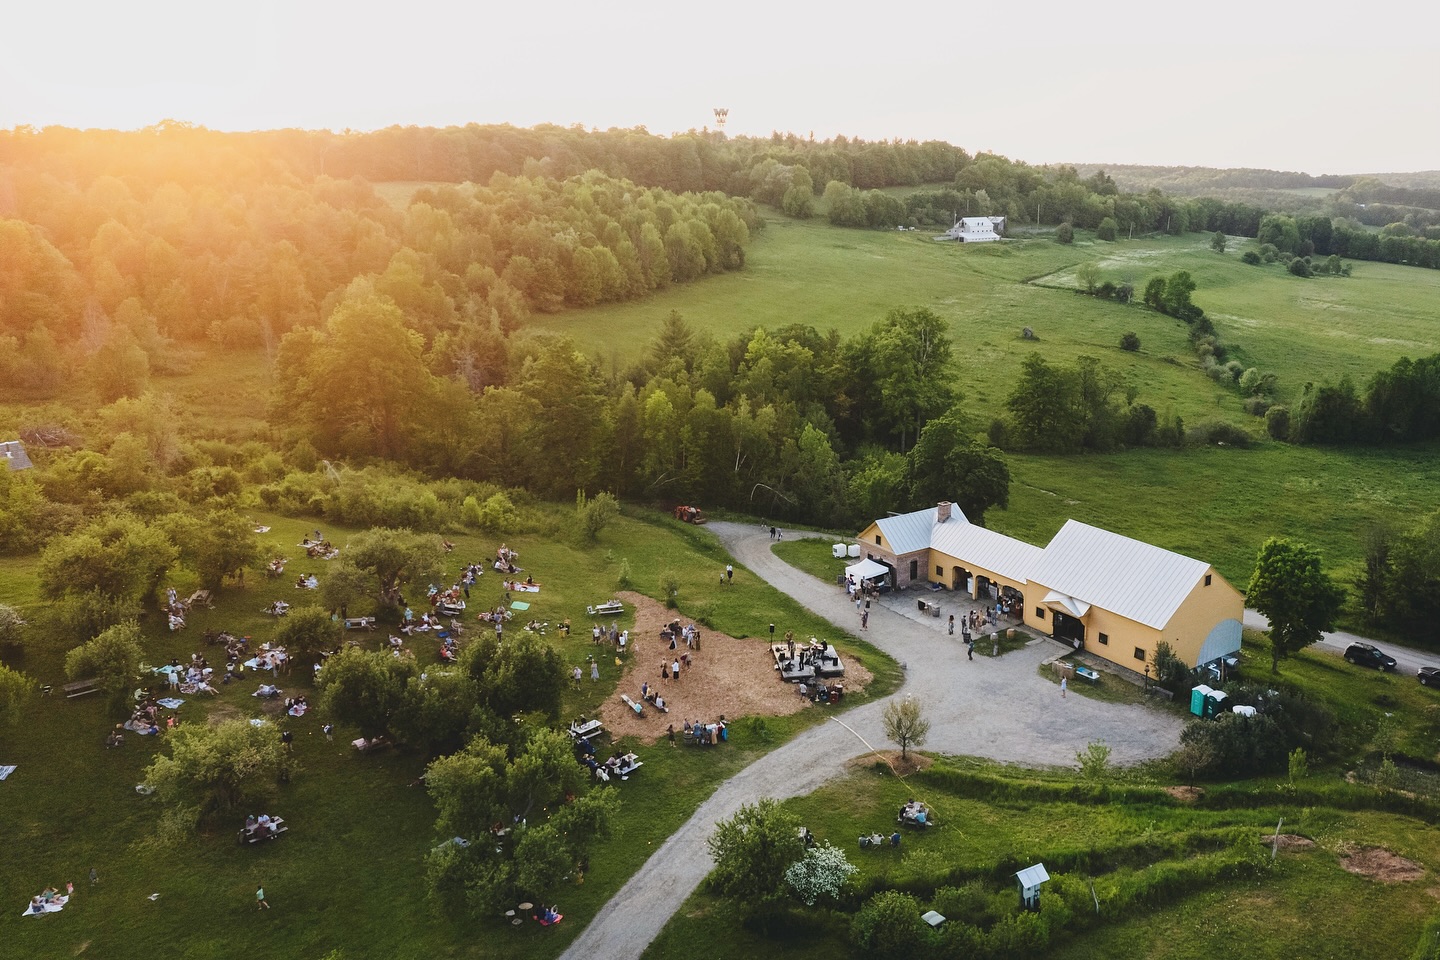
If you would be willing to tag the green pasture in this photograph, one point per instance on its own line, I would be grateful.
(1283, 911)
(349, 874)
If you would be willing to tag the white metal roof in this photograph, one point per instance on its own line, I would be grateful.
(909, 532)
(985, 548)
(1136, 580)
(1032, 876)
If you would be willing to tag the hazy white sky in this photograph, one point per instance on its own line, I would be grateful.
(1320, 87)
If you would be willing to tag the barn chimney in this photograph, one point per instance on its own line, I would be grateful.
(942, 511)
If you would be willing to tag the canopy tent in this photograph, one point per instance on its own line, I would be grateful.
(867, 569)
(1076, 608)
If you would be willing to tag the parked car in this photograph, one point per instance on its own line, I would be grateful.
(1365, 655)
(1430, 676)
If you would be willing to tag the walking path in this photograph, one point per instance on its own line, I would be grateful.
(992, 707)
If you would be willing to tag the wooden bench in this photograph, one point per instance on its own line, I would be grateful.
(363, 745)
(1088, 674)
(1159, 691)
(359, 623)
(81, 687)
(200, 598)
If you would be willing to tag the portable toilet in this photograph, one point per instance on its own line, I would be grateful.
(1198, 696)
(854, 550)
(837, 551)
(1030, 879)
(1215, 704)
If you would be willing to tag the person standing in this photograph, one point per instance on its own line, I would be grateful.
(969, 649)
(260, 902)
(675, 669)
(594, 671)
(575, 678)
(729, 573)
(865, 620)
(952, 624)
(94, 877)
(1064, 686)
(671, 734)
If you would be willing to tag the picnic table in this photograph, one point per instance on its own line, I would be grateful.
(638, 708)
(1087, 673)
(259, 832)
(199, 598)
(579, 729)
(370, 745)
(608, 608)
(359, 623)
(79, 688)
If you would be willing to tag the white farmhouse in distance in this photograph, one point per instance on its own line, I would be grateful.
(975, 230)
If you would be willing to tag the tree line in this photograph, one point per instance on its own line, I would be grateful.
(122, 277)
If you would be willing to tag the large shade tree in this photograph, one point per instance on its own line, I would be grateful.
(1295, 594)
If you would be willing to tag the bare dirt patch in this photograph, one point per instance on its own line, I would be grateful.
(730, 677)
(1287, 841)
(914, 763)
(1380, 864)
(1186, 794)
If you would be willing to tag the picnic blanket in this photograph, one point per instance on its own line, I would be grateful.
(262, 529)
(54, 906)
(6, 771)
(170, 703)
(519, 605)
(523, 587)
(256, 722)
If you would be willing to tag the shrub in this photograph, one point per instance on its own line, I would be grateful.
(670, 586)
(1094, 761)
(1250, 257)
(1300, 267)
(1269, 252)
(1027, 334)
(1235, 369)
(622, 580)
(998, 434)
(497, 514)
(1257, 406)
(1277, 422)
(889, 925)
(1065, 233)
(1130, 341)
(1219, 433)
(1107, 228)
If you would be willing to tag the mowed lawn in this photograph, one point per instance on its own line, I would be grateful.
(350, 872)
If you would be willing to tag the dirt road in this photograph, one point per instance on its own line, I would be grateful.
(997, 708)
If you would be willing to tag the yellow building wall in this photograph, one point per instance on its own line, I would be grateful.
(1123, 636)
(1203, 608)
(868, 535)
(938, 559)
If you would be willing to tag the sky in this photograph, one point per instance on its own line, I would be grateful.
(1319, 87)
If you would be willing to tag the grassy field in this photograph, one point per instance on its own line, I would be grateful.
(1278, 912)
(350, 873)
(1231, 500)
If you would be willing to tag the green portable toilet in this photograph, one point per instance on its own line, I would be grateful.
(1215, 704)
(1198, 698)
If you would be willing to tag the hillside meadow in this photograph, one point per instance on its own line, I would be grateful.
(1215, 503)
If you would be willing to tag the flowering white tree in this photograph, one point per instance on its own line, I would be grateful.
(822, 873)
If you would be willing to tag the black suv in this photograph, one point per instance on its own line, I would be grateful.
(1364, 655)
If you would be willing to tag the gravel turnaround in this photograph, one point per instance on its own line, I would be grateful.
(998, 708)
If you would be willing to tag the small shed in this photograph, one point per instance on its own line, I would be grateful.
(14, 455)
(1030, 879)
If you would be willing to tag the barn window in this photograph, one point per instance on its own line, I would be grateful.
(1104, 638)
(1207, 579)
(939, 570)
(1139, 653)
(1039, 613)
(877, 539)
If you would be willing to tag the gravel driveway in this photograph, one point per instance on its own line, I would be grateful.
(995, 708)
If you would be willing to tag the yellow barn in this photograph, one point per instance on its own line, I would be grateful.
(1109, 595)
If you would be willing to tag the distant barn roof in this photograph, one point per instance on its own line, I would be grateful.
(13, 451)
